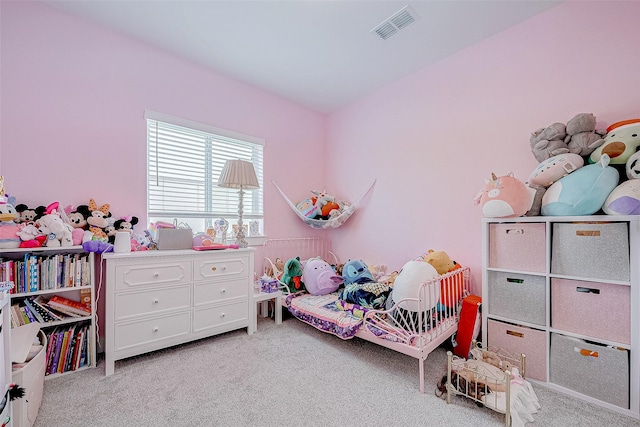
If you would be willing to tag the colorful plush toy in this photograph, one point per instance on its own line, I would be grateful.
(97, 219)
(57, 231)
(292, 275)
(440, 261)
(624, 199)
(548, 142)
(622, 140)
(30, 235)
(554, 168)
(356, 271)
(504, 197)
(632, 167)
(319, 278)
(582, 192)
(8, 228)
(582, 137)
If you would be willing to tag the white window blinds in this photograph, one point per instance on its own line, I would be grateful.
(184, 160)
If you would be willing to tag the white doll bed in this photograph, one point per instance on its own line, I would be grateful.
(501, 388)
(415, 335)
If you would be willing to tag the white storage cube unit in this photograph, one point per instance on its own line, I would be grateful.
(517, 296)
(594, 250)
(31, 378)
(592, 369)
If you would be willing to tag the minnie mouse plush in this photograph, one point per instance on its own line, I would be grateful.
(126, 223)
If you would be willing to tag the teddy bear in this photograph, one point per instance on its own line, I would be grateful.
(439, 260)
(548, 142)
(57, 231)
(582, 137)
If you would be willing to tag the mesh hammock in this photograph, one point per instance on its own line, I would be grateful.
(334, 222)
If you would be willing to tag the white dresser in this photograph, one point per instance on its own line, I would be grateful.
(157, 299)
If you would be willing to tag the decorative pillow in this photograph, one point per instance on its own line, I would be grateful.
(369, 294)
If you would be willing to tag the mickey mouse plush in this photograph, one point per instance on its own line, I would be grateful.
(28, 215)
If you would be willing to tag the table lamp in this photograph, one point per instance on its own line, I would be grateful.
(239, 174)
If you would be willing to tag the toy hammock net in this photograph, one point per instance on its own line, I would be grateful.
(334, 222)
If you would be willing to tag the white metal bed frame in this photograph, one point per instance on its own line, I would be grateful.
(415, 336)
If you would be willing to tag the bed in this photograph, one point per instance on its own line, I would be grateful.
(495, 379)
(415, 333)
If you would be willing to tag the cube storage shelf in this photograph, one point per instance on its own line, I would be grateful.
(566, 292)
(85, 323)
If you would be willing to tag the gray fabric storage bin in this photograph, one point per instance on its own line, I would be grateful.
(591, 369)
(591, 250)
(518, 297)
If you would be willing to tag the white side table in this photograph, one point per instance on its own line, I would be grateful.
(265, 296)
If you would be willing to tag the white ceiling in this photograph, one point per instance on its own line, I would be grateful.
(320, 54)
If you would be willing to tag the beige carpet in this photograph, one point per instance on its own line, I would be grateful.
(287, 375)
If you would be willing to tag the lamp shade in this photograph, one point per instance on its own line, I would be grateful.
(238, 174)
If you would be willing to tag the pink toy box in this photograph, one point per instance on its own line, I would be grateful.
(518, 246)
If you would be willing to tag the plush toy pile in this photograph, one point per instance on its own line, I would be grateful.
(321, 206)
(581, 171)
(92, 226)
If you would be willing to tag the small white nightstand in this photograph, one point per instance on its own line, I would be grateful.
(266, 296)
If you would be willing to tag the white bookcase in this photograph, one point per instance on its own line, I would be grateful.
(566, 292)
(69, 292)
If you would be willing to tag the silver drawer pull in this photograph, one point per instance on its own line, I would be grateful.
(222, 314)
(156, 274)
(156, 329)
(156, 301)
(223, 291)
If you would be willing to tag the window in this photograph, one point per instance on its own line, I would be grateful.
(184, 160)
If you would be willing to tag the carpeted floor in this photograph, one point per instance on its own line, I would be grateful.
(287, 375)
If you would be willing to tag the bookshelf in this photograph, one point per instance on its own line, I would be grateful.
(44, 274)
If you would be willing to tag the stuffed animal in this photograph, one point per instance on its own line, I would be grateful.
(276, 269)
(319, 278)
(504, 197)
(77, 217)
(407, 285)
(632, 167)
(582, 137)
(30, 235)
(97, 219)
(554, 168)
(28, 215)
(622, 141)
(356, 271)
(440, 261)
(307, 208)
(292, 275)
(582, 192)
(57, 231)
(8, 228)
(624, 199)
(126, 223)
(548, 142)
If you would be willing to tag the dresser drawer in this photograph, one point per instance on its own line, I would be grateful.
(221, 315)
(137, 275)
(162, 299)
(149, 331)
(211, 268)
(208, 292)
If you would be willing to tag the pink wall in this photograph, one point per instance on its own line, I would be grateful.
(431, 138)
(72, 126)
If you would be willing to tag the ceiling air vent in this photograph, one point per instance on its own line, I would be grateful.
(398, 21)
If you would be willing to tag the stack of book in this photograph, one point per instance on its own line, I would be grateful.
(68, 348)
(38, 309)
